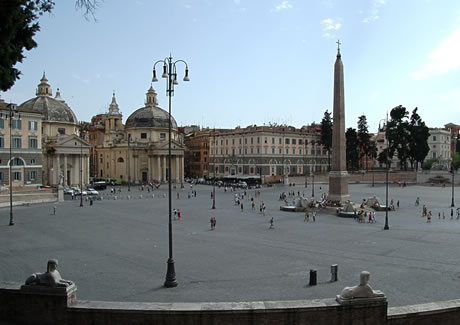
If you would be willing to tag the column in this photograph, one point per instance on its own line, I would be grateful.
(58, 168)
(158, 175)
(164, 169)
(149, 172)
(182, 169)
(177, 169)
(87, 169)
(65, 180)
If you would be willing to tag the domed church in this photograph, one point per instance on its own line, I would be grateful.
(136, 152)
(64, 154)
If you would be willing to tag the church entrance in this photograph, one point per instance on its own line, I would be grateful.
(144, 177)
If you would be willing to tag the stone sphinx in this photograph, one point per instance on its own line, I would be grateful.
(360, 292)
(51, 278)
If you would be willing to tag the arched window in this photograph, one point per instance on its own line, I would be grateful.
(17, 162)
(120, 160)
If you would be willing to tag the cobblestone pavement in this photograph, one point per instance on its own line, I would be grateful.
(117, 249)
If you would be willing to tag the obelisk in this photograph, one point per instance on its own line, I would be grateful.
(338, 176)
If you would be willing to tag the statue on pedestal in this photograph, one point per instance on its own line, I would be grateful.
(360, 292)
(51, 278)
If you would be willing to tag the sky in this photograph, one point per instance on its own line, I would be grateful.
(252, 61)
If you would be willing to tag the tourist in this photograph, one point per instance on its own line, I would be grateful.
(307, 217)
(314, 216)
(451, 214)
(271, 223)
(211, 221)
(429, 216)
(397, 204)
(241, 206)
(179, 215)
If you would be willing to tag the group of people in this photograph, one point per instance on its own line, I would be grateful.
(307, 216)
(362, 216)
(429, 215)
(212, 221)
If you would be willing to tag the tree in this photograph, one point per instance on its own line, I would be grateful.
(418, 139)
(398, 135)
(19, 24)
(383, 158)
(457, 144)
(372, 150)
(455, 160)
(326, 135)
(429, 163)
(352, 154)
(363, 138)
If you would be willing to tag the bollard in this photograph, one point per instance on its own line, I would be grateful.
(334, 272)
(312, 277)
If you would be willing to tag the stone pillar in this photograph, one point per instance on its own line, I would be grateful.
(87, 169)
(182, 169)
(177, 169)
(163, 176)
(65, 180)
(149, 172)
(58, 169)
(158, 176)
(338, 177)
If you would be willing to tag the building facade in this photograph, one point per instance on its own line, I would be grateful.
(269, 153)
(197, 154)
(136, 152)
(439, 142)
(65, 155)
(20, 146)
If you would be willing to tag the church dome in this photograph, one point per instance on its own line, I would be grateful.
(151, 115)
(52, 109)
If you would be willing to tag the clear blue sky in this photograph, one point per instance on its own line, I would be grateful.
(253, 61)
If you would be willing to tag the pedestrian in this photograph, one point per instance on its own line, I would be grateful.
(307, 217)
(314, 216)
(241, 206)
(175, 213)
(211, 221)
(373, 217)
(458, 213)
(443, 215)
(429, 217)
(397, 204)
(370, 217)
(253, 204)
(214, 222)
(54, 210)
(177, 195)
(417, 201)
(179, 215)
(451, 214)
(439, 215)
(271, 223)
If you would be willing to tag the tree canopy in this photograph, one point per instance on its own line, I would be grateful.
(352, 153)
(326, 134)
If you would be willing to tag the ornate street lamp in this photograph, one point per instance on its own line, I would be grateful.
(81, 164)
(169, 73)
(386, 227)
(453, 182)
(12, 112)
(129, 169)
(305, 165)
(214, 170)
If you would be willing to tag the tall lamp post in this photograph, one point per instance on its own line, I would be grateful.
(129, 167)
(12, 111)
(305, 165)
(169, 72)
(214, 170)
(81, 164)
(453, 182)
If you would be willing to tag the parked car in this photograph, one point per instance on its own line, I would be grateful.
(69, 191)
(91, 191)
(100, 185)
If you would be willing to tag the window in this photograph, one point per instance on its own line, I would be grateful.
(240, 140)
(265, 140)
(287, 141)
(273, 140)
(32, 161)
(240, 150)
(245, 151)
(294, 141)
(287, 151)
(17, 124)
(226, 141)
(33, 175)
(17, 142)
(258, 150)
(258, 140)
(162, 136)
(293, 151)
(233, 141)
(300, 151)
(2, 177)
(33, 125)
(245, 140)
(17, 176)
(281, 142)
(252, 150)
(18, 162)
(273, 150)
(33, 143)
(265, 150)
(300, 141)
(143, 135)
(233, 151)
(2, 123)
(252, 140)
(434, 138)
(2, 141)
(280, 151)
(61, 131)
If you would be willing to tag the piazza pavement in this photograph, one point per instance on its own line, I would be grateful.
(117, 249)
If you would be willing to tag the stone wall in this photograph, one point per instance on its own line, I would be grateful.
(46, 306)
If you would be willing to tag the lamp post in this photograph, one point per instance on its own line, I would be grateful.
(453, 182)
(214, 170)
(386, 227)
(313, 181)
(305, 165)
(81, 164)
(129, 170)
(11, 113)
(169, 72)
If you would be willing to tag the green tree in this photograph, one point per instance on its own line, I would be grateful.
(383, 157)
(418, 139)
(398, 135)
(363, 138)
(372, 150)
(19, 24)
(427, 164)
(352, 153)
(455, 160)
(326, 135)
(457, 144)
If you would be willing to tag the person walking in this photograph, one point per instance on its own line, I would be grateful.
(314, 216)
(429, 217)
(211, 221)
(271, 223)
(54, 210)
(451, 214)
(179, 215)
(397, 204)
(307, 217)
(241, 206)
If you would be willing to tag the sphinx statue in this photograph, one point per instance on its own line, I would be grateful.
(361, 291)
(51, 278)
